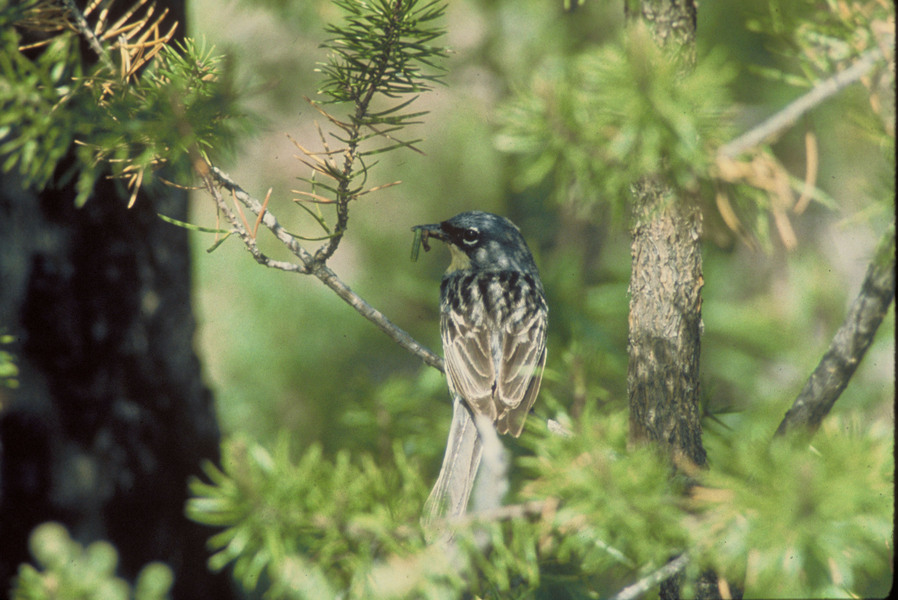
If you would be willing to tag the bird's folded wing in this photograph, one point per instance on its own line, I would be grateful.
(470, 368)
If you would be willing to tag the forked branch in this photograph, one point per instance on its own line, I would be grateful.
(216, 179)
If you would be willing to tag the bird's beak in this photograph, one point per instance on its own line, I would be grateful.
(430, 231)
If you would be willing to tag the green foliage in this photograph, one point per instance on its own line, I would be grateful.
(595, 123)
(393, 412)
(798, 521)
(70, 571)
(600, 516)
(606, 515)
(380, 49)
(34, 133)
(335, 518)
(838, 33)
(806, 52)
(616, 513)
(9, 372)
(342, 519)
(126, 123)
(380, 52)
(585, 127)
(181, 107)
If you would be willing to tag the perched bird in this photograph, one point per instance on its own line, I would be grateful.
(493, 317)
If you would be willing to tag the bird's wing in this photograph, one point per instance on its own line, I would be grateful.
(521, 371)
(501, 385)
(469, 362)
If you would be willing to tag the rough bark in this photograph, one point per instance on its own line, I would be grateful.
(665, 323)
(849, 345)
(672, 22)
(111, 416)
(665, 293)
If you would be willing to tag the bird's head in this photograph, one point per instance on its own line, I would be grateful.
(481, 241)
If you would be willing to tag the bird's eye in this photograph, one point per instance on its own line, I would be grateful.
(470, 236)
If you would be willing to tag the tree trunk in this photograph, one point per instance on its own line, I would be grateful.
(665, 323)
(665, 294)
(849, 345)
(111, 416)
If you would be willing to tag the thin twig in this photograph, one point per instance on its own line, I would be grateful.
(330, 279)
(803, 104)
(379, 69)
(308, 264)
(87, 33)
(654, 578)
(244, 234)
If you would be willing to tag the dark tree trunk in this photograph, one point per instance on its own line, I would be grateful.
(111, 416)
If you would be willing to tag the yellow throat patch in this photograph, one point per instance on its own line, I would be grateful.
(460, 260)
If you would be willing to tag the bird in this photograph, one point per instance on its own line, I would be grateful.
(493, 321)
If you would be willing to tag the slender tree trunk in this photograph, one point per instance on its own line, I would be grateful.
(666, 281)
(665, 294)
(849, 345)
(665, 323)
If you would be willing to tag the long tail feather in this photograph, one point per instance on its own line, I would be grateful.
(450, 494)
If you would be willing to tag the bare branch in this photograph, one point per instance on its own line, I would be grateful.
(850, 343)
(797, 108)
(248, 240)
(268, 219)
(307, 264)
(654, 578)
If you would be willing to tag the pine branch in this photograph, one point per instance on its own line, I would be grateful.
(307, 265)
(83, 29)
(242, 231)
(377, 51)
(850, 343)
(654, 578)
(791, 113)
(137, 34)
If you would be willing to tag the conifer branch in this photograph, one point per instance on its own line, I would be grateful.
(377, 51)
(792, 112)
(307, 264)
(85, 31)
(850, 343)
(654, 578)
(243, 232)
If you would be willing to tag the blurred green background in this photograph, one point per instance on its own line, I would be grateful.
(282, 351)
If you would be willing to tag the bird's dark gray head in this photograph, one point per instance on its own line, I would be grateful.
(482, 241)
